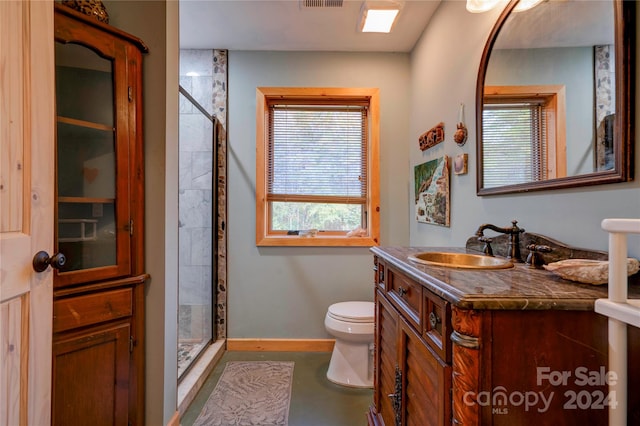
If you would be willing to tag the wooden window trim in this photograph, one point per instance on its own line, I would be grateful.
(266, 238)
(555, 106)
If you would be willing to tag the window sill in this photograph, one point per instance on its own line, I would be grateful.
(317, 241)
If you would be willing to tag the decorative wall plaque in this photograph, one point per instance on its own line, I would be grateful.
(460, 164)
(432, 137)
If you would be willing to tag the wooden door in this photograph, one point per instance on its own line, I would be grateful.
(426, 382)
(387, 366)
(26, 209)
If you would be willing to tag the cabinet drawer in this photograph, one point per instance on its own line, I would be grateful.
(437, 324)
(95, 308)
(380, 271)
(406, 295)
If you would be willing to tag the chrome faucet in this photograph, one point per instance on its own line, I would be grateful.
(514, 238)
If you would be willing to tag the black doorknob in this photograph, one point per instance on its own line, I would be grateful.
(42, 260)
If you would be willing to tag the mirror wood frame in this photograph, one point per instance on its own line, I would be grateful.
(624, 137)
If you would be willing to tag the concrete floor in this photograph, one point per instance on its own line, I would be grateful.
(315, 401)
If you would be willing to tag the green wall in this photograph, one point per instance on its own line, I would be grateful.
(284, 292)
(571, 215)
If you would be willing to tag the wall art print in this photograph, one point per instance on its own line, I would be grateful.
(432, 192)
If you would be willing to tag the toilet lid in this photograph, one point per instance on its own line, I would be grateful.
(353, 311)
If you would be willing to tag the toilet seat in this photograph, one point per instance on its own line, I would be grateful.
(354, 312)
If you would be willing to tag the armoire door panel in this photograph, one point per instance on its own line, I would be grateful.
(92, 377)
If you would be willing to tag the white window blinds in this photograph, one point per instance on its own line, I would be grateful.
(317, 153)
(514, 138)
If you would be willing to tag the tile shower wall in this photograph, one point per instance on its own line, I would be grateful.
(203, 75)
(605, 77)
(195, 227)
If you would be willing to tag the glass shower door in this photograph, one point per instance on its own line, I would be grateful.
(197, 252)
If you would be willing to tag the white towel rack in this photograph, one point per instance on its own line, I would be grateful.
(621, 311)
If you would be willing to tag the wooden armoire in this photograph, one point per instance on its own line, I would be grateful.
(98, 307)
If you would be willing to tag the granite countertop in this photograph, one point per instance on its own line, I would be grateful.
(520, 287)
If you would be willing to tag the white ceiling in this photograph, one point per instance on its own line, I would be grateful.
(559, 23)
(286, 25)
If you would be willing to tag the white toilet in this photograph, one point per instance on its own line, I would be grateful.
(352, 324)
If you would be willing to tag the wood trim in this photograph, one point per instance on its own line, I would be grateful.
(330, 241)
(88, 288)
(66, 10)
(373, 209)
(175, 419)
(137, 372)
(266, 94)
(328, 93)
(560, 104)
(281, 345)
(261, 167)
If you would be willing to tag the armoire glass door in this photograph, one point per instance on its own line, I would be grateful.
(89, 165)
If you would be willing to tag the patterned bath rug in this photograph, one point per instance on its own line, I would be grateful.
(255, 393)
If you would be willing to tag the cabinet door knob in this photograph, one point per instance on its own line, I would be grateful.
(402, 291)
(42, 260)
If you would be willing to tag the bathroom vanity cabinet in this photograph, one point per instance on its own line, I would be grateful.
(413, 360)
(98, 306)
(516, 346)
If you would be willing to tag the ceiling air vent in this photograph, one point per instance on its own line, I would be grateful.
(321, 3)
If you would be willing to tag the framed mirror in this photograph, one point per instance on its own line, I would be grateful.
(555, 97)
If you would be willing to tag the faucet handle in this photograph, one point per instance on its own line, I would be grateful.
(487, 245)
(516, 228)
(540, 248)
(534, 259)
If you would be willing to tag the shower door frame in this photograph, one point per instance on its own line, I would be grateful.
(214, 231)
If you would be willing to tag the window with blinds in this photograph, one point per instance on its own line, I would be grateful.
(514, 148)
(316, 166)
(317, 155)
(523, 135)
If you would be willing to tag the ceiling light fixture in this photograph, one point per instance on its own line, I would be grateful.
(526, 5)
(379, 16)
(479, 6)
